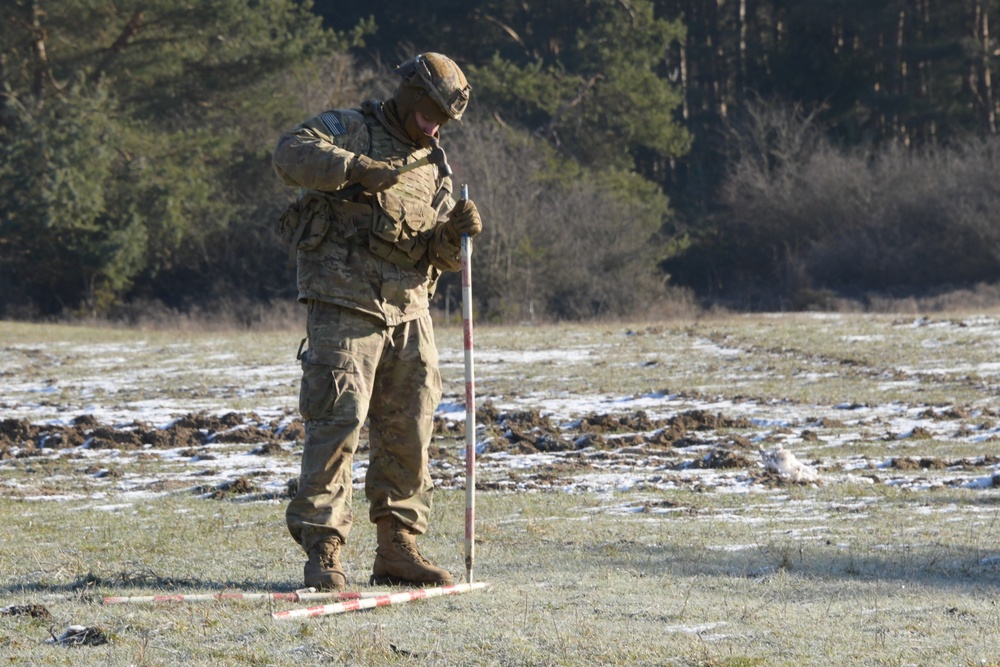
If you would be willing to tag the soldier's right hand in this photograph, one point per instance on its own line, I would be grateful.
(373, 175)
(463, 220)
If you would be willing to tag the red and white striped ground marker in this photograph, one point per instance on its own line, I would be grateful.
(383, 601)
(470, 405)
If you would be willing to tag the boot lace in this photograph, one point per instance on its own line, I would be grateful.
(409, 547)
(328, 554)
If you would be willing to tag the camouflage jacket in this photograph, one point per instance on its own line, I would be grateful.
(380, 254)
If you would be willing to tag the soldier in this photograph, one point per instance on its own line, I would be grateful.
(367, 265)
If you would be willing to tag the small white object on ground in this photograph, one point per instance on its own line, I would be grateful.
(783, 462)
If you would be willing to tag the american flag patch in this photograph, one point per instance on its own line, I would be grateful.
(333, 122)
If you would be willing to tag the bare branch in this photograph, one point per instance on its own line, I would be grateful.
(129, 32)
(507, 29)
(43, 71)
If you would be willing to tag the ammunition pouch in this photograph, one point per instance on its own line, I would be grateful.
(395, 225)
(396, 230)
(315, 217)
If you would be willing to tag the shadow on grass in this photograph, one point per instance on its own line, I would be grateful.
(926, 565)
(90, 585)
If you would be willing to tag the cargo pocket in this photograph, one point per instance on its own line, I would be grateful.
(393, 237)
(328, 386)
(305, 222)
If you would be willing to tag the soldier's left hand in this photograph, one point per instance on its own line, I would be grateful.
(463, 220)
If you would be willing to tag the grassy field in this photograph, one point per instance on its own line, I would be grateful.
(611, 551)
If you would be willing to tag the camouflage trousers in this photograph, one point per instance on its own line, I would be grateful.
(356, 368)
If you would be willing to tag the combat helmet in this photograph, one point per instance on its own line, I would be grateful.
(433, 85)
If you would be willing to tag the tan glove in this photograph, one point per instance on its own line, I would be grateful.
(372, 175)
(463, 220)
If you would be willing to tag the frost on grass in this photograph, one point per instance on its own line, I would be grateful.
(237, 456)
(567, 411)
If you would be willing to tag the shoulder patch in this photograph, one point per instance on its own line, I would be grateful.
(333, 123)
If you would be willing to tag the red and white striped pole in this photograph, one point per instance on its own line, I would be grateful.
(382, 601)
(470, 405)
(302, 596)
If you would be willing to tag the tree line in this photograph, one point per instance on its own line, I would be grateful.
(626, 154)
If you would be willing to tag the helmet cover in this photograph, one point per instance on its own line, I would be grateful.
(440, 79)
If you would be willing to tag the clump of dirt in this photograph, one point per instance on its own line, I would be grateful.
(525, 419)
(103, 473)
(487, 414)
(80, 635)
(741, 442)
(16, 431)
(531, 432)
(239, 486)
(683, 443)
(107, 437)
(528, 431)
(191, 430)
(32, 610)
(444, 427)
(660, 439)
(173, 437)
(268, 449)
(676, 431)
(202, 453)
(772, 479)
(725, 457)
(925, 463)
(954, 412)
(702, 420)
(591, 440)
(294, 430)
(651, 505)
(552, 443)
(904, 464)
(637, 421)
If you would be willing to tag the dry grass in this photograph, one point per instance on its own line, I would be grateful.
(847, 572)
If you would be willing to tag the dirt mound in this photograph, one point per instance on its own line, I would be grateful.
(107, 437)
(32, 610)
(637, 421)
(924, 463)
(236, 487)
(702, 420)
(726, 457)
(191, 430)
(16, 430)
(530, 431)
(80, 635)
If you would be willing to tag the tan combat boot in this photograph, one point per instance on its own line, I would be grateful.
(323, 571)
(397, 561)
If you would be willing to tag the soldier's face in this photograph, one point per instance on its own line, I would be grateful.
(427, 126)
